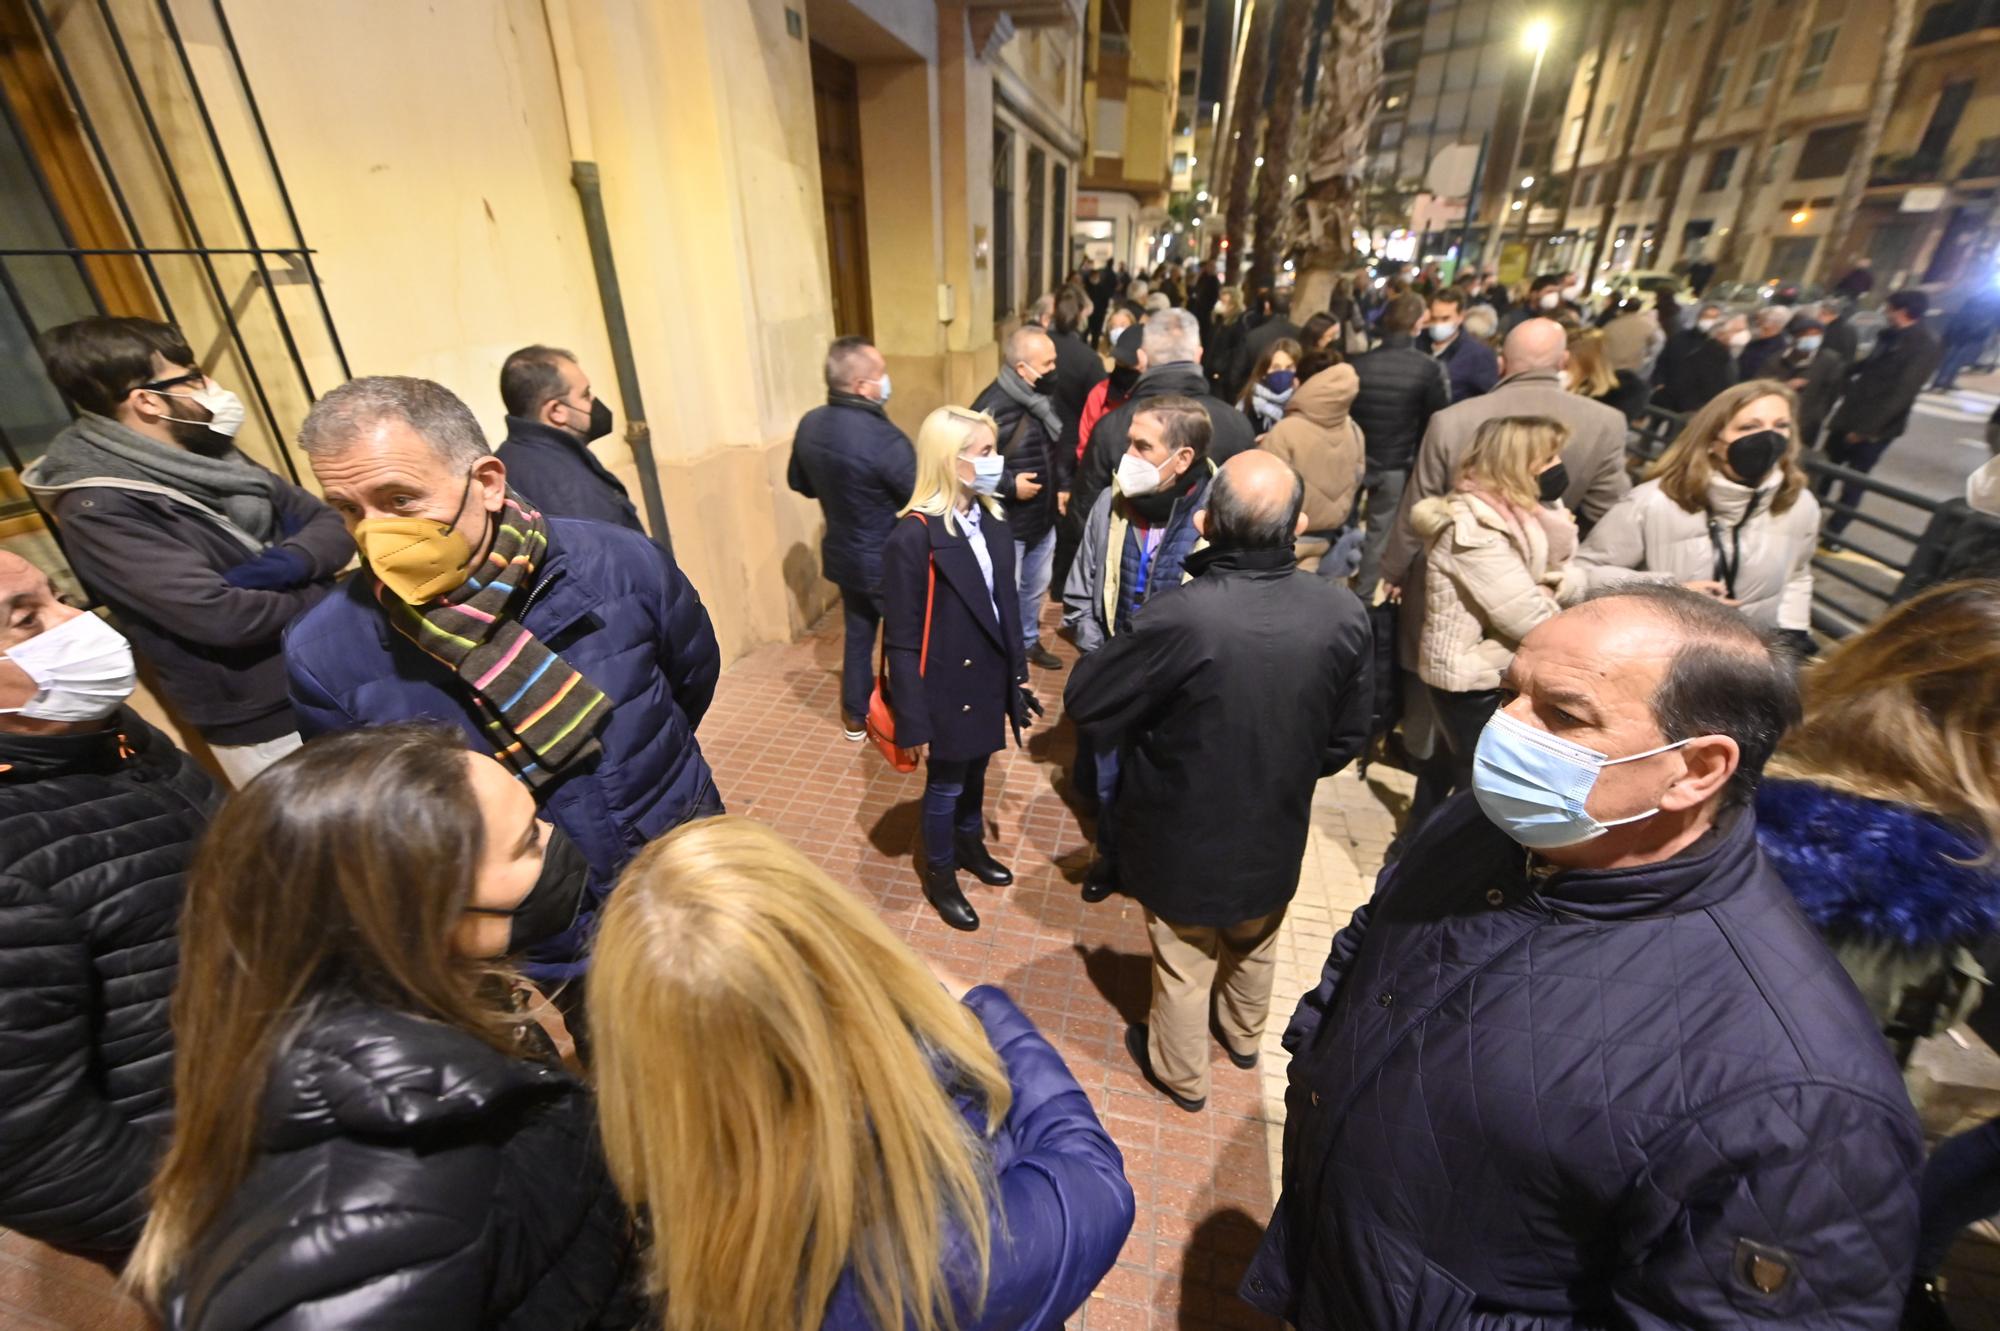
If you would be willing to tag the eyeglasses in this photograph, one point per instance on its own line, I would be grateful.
(195, 377)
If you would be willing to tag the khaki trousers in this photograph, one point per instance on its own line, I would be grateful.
(1186, 961)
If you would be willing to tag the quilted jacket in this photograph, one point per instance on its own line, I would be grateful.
(1641, 1098)
(1647, 536)
(1483, 590)
(1401, 389)
(410, 1175)
(96, 831)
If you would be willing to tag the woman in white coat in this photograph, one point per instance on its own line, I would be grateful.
(1725, 510)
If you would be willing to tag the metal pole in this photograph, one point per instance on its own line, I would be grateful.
(1521, 138)
(1471, 197)
(55, 212)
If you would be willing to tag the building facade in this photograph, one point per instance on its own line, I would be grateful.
(1132, 80)
(313, 192)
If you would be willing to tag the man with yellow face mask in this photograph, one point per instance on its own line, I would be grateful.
(574, 651)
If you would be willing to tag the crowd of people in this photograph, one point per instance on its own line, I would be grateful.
(466, 1003)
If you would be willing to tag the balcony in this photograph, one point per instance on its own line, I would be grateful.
(1956, 18)
(1905, 169)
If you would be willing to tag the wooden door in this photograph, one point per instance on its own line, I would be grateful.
(837, 110)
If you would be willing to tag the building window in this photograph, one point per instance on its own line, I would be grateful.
(1761, 75)
(1586, 190)
(1180, 164)
(1827, 152)
(1575, 136)
(1744, 8)
(1605, 125)
(1188, 77)
(1711, 101)
(1642, 183)
(1815, 60)
(1190, 38)
(1037, 201)
(1721, 167)
(1677, 96)
(1059, 229)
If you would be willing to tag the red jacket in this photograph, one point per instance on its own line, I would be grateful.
(1101, 402)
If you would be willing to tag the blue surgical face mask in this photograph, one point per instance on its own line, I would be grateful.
(986, 473)
(1534, 785)
(884, 399)
(1809, 344)
(1281, 381)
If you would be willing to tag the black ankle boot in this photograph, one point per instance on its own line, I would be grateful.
(1100, 881)
(974, 859)
(942, 891)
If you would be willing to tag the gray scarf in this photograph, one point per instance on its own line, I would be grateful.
(1024, 394)
(96, 449)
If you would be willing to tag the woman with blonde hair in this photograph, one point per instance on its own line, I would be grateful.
(1498, 563)
(1881, 812)
(1591, 375)
(951, 631)
(368, 1130)
(1725, 510)
(824, 1135)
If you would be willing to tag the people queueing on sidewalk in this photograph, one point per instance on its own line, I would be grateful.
(1271, 383)
(370, 1128)
(853, 459)
(1580, 1061)
(1816, 372)
(1882, 391)
(880, 1146)
(202, 555)
(951, 632)
(1318, 439)
(574, 651)
(1225, 702)
(1469, 364)
(99, 816)
(1697, 363)
(554, 414)
(1402, 389)
(1036, 479)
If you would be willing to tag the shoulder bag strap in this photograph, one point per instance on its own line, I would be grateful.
(930, 598)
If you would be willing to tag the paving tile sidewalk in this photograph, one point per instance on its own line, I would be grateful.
(1204, 1182)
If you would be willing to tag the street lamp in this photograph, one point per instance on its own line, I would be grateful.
(1535, 37)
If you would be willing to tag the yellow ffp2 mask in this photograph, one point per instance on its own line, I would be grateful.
(419, 559)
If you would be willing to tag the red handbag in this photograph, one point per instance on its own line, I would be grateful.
(881, 718)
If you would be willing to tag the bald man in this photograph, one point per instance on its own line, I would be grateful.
(1228, 699)
(1532, 362)
(1021, 400)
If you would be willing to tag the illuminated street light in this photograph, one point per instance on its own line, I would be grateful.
(1288, 265)
(1535, 37)
(1197, 221)
(1201, 196)
(1192, 160)
(1527, 182)
(1517, 205)
(1292, 180)
(1618, 244)
(1258, 162)
(1799, 217)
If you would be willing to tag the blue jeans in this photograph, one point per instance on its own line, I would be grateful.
(1959, 354)
(1107, 799)
(1860, 457)
(1034, 566)
(953, 794)
(863, 616)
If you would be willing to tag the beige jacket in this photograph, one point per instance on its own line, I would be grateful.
(1322, 445)
(1487, 581)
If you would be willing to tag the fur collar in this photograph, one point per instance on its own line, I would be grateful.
(1883, 872)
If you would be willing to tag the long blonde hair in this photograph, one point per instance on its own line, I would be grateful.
(1685, 469)
(1908, 710)
(946, 433)
(775, 1076)
(1590, 373)
(338, 873)
(1504, 454)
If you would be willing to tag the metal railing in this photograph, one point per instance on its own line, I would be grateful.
(1863, 577)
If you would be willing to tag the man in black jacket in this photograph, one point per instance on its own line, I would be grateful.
(1173, 368)
(99, 815)
(1880, 393)
(1228, 701)
(1815, 372)
(1401, 389)
(852, 458)
(553, 416)
(1697, 363)
(1022, 402)
(202, 555)
(1078, 368)
(1275, 322)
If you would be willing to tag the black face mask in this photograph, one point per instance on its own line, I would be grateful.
(1753, 456)
(600, 421)
(1553, 483)
(1123, 379)
(200, 440)
(1046, 385)
(553, 903)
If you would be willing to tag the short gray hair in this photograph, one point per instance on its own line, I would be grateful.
(1044, 308)
(1019, 340)
(1172, 335)
(1241, 523)
(1774, 316)
(846, 361)
(338, 420)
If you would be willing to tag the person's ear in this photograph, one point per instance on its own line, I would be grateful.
(1201, 523)
(1563, 364)
(1708, 762)
(1299, 527)
(489, 480)
(547, 413)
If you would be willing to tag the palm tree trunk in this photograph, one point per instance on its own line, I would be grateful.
(1734, 246)
(1676, 173)
(1611, 190)
(1243, 120)
(1350, 92)
(1607, 16)
(1888, 78)
(1288, 82)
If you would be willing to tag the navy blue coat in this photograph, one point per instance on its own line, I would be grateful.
(562, 476)
(1471, 366)
(962, 704)
(1615, 1098)
(861, 468)
(1063, 1205)
(612, 604)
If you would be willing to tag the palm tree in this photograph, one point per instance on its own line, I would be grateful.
(1250, 77)
(1349, 93)
(1294, 48)
(1888, 77)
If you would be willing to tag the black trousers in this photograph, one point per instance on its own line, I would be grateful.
(1461, 717)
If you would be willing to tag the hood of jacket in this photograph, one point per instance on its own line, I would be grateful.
(1875, 870)
(359, 1070)
(1325, 398)
(1430, 516)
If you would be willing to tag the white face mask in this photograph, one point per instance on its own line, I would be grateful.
(1136, 476)
(1738, 341)
(1550, 300)
(225, 408)
(82, 668)
(1703, 325)
(1982, 488)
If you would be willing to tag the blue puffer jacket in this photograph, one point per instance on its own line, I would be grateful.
(612, 604)
(1638, 1098)
(1063, 1205)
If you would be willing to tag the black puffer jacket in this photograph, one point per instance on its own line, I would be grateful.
(412, 1176)
(96, 831)
(1401, 389)
(1029, 451)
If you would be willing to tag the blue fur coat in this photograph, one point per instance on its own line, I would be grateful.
(1874, 871)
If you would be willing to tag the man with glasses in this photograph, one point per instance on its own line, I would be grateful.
(553, 416)
(202, 555)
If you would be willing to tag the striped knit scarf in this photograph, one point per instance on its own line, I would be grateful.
(539, 712)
